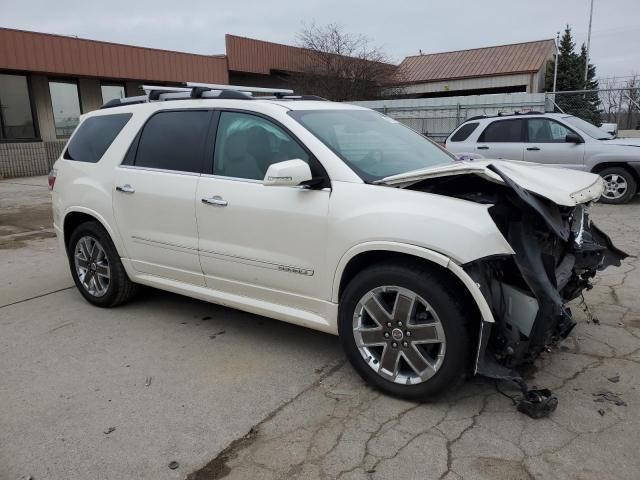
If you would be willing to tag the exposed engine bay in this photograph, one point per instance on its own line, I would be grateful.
(558, 251)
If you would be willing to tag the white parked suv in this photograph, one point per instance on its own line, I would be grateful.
(557, 140)
(333, 217)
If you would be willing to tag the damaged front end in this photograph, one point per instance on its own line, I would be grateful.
(558, 251)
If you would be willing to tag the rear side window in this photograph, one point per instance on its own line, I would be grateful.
(94, 136)
(174, 141)
(463, 132)
(503, 131)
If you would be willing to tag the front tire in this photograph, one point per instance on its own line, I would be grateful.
(96, 267)
(620, 185)
(403, 331)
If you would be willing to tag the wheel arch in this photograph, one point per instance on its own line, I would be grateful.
(603, 165)
(75, 216)
(359, 257)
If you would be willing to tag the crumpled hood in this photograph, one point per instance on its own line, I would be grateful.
(560, 185)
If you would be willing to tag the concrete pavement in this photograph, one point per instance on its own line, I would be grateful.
(228, 394)
(342, 429)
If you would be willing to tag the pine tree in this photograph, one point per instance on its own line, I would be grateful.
(590, 103)
(571, 77)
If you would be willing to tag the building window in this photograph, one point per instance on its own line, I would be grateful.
(66, 106)
(112, 91)
(16, 117)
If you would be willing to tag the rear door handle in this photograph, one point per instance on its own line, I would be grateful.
(533, 149)
(216, 201)
(483, 147)
(126, 188)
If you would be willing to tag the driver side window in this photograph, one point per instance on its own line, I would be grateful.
(246, 145)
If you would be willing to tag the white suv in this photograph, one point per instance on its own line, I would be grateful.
(557, 140)
(333, 217)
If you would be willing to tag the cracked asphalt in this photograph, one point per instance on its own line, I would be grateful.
(267, 400)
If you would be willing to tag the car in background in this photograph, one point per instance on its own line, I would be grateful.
(554, 139)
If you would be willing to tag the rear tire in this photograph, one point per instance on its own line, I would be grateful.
(435, 315)
(96, 267)
(620, 185)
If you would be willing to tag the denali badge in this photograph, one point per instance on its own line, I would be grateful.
(301, 271)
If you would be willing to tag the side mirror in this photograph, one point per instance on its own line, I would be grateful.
(290, 173)
(573, 138)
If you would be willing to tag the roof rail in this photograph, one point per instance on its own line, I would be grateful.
(504, 114)
(477, 117)
(192, 90)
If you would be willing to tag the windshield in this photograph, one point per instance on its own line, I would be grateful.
(373, 145)
(588, 128)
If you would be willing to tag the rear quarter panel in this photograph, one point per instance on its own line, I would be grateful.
(88, 187)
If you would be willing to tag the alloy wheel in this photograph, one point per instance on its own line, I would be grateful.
(92, 266)
(615, 186)
(399, 335)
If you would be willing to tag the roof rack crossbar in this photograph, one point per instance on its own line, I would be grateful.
(240, 88)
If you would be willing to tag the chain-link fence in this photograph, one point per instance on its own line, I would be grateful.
(620, 106)
(438, 117)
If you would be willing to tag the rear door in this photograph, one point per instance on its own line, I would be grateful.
(502, 139)
(154, 195)
(546, 143)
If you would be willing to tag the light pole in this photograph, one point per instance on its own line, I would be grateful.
(586, 61)
(555, 64)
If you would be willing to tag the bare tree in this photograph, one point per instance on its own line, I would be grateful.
(340, 66)
(611, 99)
(632, 94)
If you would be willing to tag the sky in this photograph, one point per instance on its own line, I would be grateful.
(399, 27)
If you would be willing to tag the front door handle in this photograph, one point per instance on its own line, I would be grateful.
(216, 201)
(533, 149)
(483, 147)
(126, 188)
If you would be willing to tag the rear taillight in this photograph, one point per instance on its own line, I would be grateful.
(52, 178)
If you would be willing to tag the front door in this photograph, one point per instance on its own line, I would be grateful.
(546, 143)
(263, 242)
(154, 195)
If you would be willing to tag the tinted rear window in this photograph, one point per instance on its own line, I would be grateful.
(464, 132)
(503, 131)
(174, 141)
(94, 136)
